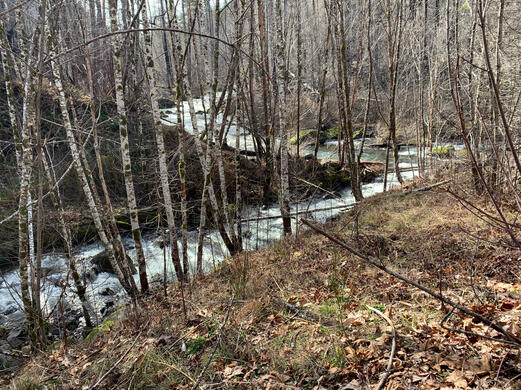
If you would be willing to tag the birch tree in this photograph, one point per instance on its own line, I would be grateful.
(118, 59)
(161, 150)
(284, 170)
(120, 266)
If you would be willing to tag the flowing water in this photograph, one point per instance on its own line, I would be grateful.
(104, 288)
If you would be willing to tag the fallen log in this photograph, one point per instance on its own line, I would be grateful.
(295, 214)
(429, 187)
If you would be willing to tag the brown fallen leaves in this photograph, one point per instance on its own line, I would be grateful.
(325, 338)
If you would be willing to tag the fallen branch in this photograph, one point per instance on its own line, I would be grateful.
(198, 381)
(295, 310)
(102, 378)
(511, 339)
(318, 187)
(389, 368)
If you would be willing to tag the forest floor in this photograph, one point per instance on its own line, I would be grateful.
(296, 315)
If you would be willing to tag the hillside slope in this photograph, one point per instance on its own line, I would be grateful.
(296, 315)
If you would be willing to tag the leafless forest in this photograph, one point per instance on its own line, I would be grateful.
(131, 118)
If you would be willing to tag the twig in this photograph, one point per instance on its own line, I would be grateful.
(389, 368)
(102, 378)
(468, 333)
(501, 365)
(512, 340)
(198, 381)
(295, 310)
(175, 368)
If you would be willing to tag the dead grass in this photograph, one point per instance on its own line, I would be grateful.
(326, 337)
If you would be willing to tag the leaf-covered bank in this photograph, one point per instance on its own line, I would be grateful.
(296, 315)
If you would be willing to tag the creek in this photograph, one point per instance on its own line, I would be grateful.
(103, 288)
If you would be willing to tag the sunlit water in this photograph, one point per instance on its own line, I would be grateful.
(257, 234)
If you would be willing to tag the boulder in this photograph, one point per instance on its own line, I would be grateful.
(8, 363)
(107, 309)
(333, 176)
(107, 292)
(10, 310)
(166, 103)
(102, 263)
(17, 338)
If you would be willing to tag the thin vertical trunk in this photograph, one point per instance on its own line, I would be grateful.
(266, 98)
(5, 49)
(394, 36)
(161, 150)
(179, 60)
(23, 216)
(281, 70)
(369, 83)
(119, 267)
(108, 215)
(125, 147)
(37, 266)
(166, 49)
(349, 100)
(475, 88)
(299, 72)
(323, 86)
(251, 82)
(241, 110)
(207, 161)
(54, 192)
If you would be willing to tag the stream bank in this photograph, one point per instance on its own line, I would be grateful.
(103, 289)
(300, 317)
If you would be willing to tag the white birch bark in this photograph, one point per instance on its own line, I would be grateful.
(117, 55)
(160, 141)
(23, 218)
(284, 173)
(71, 140)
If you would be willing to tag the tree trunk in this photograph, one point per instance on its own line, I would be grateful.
(119, 267)
(117, 51)
(161, 150)
(284, 173)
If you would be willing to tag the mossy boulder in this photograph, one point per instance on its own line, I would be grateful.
(444, 151)
(333, 176)
(104, 327)
(332, 133)
(305, 137)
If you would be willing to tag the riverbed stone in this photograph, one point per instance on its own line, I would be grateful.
(17, 338)
(102, 263)
(107, 292)
(107, 309)
(10, 310)
(8, 362)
